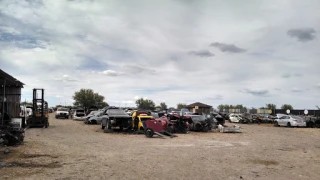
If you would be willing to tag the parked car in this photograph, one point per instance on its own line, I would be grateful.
(79, 114)
(290, 121)
(95, 118)
(198, 123)
(312, 122)
(235, 118)
(138, 118)
(62, 113)
(115, 119)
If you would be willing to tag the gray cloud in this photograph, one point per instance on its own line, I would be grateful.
(217, 97)
(111, 73)
(261, 92)
(296, 90)
(286, 75)
(298, 74)
(303, 34)
(133, 69)
(202, 53)
(228, 47)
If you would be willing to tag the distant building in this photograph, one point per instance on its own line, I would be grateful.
(198, 107)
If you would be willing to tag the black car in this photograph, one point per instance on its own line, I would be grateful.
(115, 118)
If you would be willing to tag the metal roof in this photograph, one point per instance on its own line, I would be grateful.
(10, 81)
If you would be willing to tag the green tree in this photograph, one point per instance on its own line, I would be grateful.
(26, 103)
(87, 97)
(171, 108)
(181, 105)
(227, 106)
(271, 106)
(145, 104)
(286, 106)
(163, 106)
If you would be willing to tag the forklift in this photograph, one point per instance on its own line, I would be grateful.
(40, 115)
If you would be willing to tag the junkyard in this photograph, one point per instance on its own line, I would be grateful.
(170, 89)
(73, 150)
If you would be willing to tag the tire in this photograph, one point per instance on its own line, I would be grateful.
(149, 132)
(102, 127)
(288, 124)
(47, 125)
(205, 129)
(107, 129)
(169, 129)
(276, 124)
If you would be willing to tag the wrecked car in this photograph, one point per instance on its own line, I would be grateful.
(79, 114)
(198, 122)
(115, 119)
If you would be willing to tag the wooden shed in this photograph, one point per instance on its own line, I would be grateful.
(10, 96)
(198, 107)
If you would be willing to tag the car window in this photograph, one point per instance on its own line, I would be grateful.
(116, 112)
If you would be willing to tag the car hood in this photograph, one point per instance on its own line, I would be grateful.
(122, 116)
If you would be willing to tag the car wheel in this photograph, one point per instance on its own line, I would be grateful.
(205, 129)
(149, 132)
(288, 124)
(102, 126)
(276, 124)
(107, 129)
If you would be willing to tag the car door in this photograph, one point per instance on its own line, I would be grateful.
(281, 120)
(285, 120)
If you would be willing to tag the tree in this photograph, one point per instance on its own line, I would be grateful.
(271, 106)
(227, 106)
(318, 107)
(145, 104)
(26, 103)
(286, 106)
(87, 97)
(171, 108)
(163, 106)
(181, 105)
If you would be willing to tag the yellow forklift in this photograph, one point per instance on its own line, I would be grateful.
(40, 115)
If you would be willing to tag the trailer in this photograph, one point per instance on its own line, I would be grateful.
(40, 115)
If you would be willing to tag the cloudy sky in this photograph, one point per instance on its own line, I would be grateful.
(214, 51)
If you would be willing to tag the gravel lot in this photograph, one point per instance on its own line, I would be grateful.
(72, 150)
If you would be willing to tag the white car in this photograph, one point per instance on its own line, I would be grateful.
(79, 114)
(62, 112)
(235, 118)
(289, 121)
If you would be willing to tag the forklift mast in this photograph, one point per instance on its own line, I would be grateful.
(40, 114)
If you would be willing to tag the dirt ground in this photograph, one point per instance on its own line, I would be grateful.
(73, 150)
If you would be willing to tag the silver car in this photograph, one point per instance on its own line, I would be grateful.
(290, 121)
(79, 115)
(95, 118)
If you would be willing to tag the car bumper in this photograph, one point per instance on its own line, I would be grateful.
(62, 115)
(79, 118)
(300, 124)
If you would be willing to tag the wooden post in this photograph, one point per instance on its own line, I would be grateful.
(4, 96)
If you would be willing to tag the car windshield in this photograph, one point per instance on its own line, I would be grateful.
(63, 109)
(155, 115)
(117, 112)
(80, 111)
(297, 117)
(93, 112)
(184, 110)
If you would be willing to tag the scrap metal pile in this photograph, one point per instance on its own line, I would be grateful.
(11, 136)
